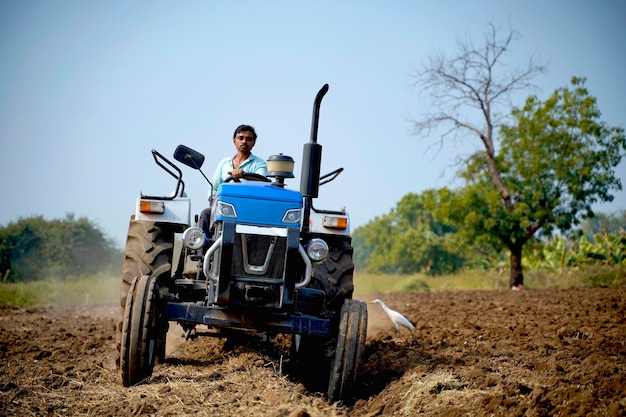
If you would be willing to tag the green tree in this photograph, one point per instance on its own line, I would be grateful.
(612, 223)
(555, 162)
(34, 248)
(407, 240)
(515, 191)
(21, 248)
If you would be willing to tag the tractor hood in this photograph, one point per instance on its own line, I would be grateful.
(258, 203)
(260, 191)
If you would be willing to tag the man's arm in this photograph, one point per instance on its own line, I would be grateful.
(218, 177)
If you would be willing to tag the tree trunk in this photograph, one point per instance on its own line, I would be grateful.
(516, 278)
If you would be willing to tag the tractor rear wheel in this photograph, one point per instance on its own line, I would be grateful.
(142, 330)
(334, 275)
(349, 350)
(149, 251)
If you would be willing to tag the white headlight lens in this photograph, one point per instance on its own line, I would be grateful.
(226, 210)
(317, 250)
(292, 216)
(194, 238)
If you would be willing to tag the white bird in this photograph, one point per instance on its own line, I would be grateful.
(397, 318)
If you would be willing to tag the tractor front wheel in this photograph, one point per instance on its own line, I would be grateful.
(149, 251)
(349, 350)
(142, 330)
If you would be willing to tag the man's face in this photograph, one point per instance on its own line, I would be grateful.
(244, 141)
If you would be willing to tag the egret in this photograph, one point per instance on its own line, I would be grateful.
(397, 318)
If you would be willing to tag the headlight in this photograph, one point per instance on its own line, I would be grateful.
(292, 216)
(317, 250)
(194, 238)
(226, 210)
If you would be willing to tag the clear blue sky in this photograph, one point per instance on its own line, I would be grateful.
(88, 88)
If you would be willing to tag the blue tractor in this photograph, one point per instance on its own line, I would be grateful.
(271, 264)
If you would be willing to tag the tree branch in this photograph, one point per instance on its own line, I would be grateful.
(467, 82)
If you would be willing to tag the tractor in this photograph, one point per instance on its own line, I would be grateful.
(270, 264)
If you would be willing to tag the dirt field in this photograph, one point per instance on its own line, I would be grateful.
(510, 353)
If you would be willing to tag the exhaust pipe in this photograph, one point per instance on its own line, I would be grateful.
(311, 162)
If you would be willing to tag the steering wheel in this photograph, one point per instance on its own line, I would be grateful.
(250, 176)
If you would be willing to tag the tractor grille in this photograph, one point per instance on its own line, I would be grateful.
(257, 270)
(259, 256)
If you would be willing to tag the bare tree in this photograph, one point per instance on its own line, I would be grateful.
(471, 92)
(470, 84)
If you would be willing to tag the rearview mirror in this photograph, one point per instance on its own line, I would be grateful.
(189, 157)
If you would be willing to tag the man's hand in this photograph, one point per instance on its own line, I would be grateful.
(236, 174)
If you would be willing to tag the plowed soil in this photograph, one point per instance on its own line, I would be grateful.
(475, 353)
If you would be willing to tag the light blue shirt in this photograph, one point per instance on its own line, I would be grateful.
(253, 164)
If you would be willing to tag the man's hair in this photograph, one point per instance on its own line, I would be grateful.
(244, 128)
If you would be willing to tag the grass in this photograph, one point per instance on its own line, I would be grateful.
(373, 283)
(80, 291)
(105, 289)
(590, 276)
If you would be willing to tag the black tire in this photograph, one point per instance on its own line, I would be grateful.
(141, 330)
(149, 251)
(334, 275)
(349, 351)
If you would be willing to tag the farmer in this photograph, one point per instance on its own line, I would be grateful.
(244, 161)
